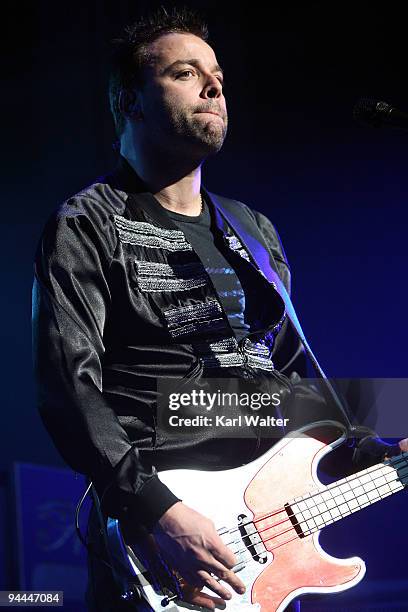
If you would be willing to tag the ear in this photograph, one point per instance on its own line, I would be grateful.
(130, 104)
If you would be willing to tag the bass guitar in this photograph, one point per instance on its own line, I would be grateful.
(270, 512)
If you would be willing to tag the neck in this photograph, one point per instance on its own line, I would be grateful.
(175, 183)
(311, 513)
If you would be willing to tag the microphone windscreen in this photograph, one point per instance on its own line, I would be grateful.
(373, 112)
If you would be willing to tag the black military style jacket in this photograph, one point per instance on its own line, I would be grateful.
(121, 300)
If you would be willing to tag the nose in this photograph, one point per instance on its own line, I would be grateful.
(212, 88)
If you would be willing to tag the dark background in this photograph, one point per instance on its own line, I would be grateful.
(335, 190)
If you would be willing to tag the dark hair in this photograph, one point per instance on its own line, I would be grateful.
(131, 50)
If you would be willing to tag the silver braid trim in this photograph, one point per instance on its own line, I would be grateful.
(195, 318)
(261, 363)
(154, 276)
(227, 353)
(257, 349)
(145, 234)
(223, 361)
(235, 245)
(221, 354)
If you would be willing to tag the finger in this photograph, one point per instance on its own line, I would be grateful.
(224, 554)
(205, 579)
(227, 575)
(209, 602)
(196, 597)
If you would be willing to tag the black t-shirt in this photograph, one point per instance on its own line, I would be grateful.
(233, 281)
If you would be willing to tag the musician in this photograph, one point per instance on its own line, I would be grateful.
(141, 277)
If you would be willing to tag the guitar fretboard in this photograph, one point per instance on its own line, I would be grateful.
(313, 511)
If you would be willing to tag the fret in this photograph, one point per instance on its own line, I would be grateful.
(313, 511)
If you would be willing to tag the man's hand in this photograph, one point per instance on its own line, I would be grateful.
(192, 546)
(403, 444)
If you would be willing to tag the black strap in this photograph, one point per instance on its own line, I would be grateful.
(248, 231)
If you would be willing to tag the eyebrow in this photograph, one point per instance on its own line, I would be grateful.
(192, 62)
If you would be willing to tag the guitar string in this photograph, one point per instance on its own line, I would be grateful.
(277, 535)
(351, 479)
(304, 499)
(391, 463)
(282, 510)
(291, 528)
(334, 487)
(246, 549)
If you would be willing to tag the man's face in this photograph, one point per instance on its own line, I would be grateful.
(182, 99)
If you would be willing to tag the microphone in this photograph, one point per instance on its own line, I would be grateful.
(379, 114)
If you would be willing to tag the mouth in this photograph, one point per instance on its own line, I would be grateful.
(209, 113)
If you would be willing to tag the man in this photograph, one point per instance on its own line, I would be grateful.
(139, 278)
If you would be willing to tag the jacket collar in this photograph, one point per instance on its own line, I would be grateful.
(226, 211)
(139, 196)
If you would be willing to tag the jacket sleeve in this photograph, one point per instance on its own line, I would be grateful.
(290, 358)
(71, 302)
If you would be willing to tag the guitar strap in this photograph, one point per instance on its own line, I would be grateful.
(249, 233)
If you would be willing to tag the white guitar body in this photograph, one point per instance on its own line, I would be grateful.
(258, 512)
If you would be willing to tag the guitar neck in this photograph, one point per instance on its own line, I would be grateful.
(312, 512)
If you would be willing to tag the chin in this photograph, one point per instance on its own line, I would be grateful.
(213, 139)
(204, 142)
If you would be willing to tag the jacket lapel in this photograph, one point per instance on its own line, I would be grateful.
(247, 231)
(226, 210)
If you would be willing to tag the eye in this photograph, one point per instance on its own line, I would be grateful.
(184, 73)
